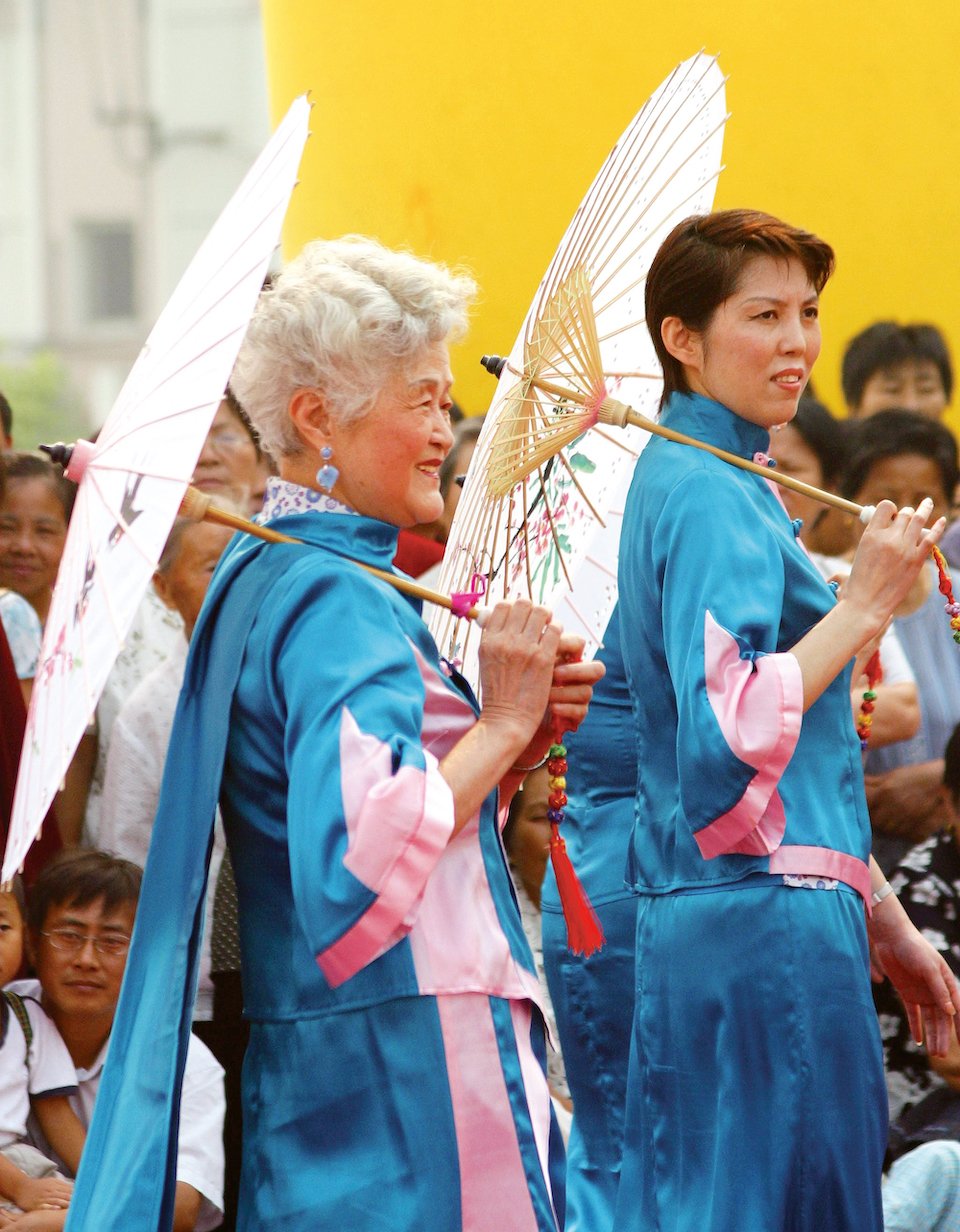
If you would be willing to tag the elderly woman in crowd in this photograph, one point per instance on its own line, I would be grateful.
(141, 733)
(395, 1074)
(232, 464)
(232, 469)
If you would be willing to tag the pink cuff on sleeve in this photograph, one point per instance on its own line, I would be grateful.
(759, 706)
(398, 826)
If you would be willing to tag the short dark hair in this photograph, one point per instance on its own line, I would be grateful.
(19, 894)
(80, 877)
(6, 416)
(891, 434)
(700, 263)
(233, 402)
(886, 344)
(823, 434)
(23, 465)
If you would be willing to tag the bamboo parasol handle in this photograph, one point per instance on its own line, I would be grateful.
(747, 464)
(197, 506)
(618, 414)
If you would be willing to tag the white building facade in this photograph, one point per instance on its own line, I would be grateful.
(125, 125)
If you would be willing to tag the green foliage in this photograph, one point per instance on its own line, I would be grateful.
(45, 408)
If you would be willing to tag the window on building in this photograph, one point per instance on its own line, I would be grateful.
(107, 282)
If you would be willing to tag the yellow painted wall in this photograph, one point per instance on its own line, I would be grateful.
(469, 132)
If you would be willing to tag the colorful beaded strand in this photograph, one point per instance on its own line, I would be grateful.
(874, 674)
(584, 932)
(951, 607)
(557, 782)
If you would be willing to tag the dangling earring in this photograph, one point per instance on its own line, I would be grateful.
(328, 474)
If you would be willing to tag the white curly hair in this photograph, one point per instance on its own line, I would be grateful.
(341, 318)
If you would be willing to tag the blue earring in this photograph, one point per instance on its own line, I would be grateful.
(328, 474)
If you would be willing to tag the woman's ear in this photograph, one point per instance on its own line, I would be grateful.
(683, 343)
(310, 417)
(163, 591)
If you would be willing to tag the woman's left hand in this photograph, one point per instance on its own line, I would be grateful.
(924, 982)
(570, 692)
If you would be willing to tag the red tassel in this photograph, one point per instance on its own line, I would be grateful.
(584, 931)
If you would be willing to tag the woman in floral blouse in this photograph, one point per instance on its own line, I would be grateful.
(927, 882)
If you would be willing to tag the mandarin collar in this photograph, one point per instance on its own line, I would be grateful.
(328, 524)
(715, 424)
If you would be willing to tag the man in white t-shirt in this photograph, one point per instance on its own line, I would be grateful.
(81, 911)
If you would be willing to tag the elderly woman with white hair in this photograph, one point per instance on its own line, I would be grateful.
(395, 1073)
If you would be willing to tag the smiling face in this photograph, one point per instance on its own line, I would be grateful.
(82, 984)
(757, 353)
(33, 529)
(389, 460)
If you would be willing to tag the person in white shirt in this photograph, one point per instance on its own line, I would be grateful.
(141, 731)
(81, 915)
(35, 1071)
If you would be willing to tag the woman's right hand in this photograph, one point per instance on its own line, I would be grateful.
(518, 652)
(891, 554)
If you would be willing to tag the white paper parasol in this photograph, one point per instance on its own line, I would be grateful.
(555, 535)
(132, 481)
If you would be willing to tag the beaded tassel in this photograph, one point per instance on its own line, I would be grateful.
(951, 607)
(865, 716)
(584, 931)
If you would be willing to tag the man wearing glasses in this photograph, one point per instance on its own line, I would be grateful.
(80, 911)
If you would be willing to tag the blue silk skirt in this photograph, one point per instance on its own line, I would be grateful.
(756, 1099)
(413, 1114)
(593, 1004)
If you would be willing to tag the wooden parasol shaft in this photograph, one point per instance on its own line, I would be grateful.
(747, 464)
(618, 413)
(197, 506)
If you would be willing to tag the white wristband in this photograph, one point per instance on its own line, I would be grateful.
(884, 892)
(537, 765)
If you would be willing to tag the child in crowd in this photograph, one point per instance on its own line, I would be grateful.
(35, 1068)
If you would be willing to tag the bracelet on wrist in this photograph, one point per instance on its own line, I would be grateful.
(530, 769)
(879, 895)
